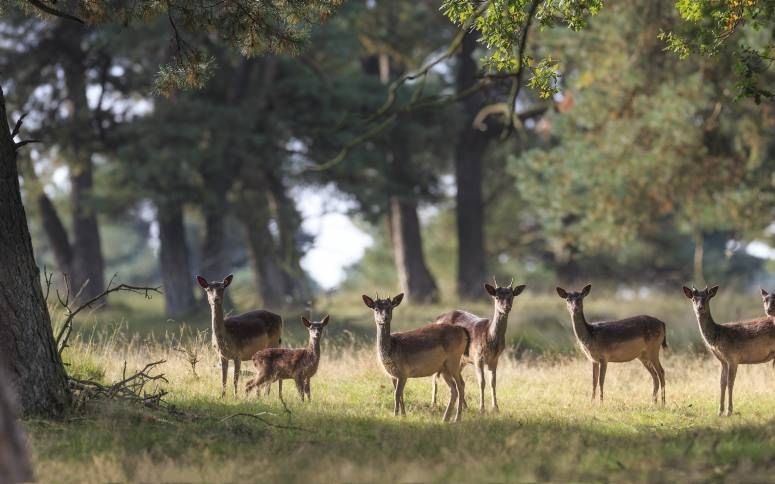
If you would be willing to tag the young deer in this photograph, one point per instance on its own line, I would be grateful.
(746, 342)
(488, 337)
(433, 348)
(299, 365)
(769, 303)
(239, 337)
(617, 341)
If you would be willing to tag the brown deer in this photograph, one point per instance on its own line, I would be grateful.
(299, 365)
(425, 351)
(239, 337)
(745, 342)
(488, 337)
(617, 341)
(769, 303)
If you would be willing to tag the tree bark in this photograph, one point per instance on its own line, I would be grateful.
(413, 274)
(27, 347)
(88, 268)
(469, 150)
(215, 260)
(176, 273)
(14, 459)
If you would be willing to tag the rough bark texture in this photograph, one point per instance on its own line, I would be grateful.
(176, 273)
(416, 281)
(469, 151)
(14, 459)
(27, 347)
(88, 266)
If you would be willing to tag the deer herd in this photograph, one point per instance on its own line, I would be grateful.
(458, 338)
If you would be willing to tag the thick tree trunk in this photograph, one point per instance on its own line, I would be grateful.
(415, 278)
(254, 214)
(27, 347)
(14, 459)
(88, 266)
(470, 149)
(289, 229)
(176, 273)
(215, 260)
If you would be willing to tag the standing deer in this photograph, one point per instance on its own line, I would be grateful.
(433, 348)
(239, 337)
(488, 337)
(617, 341)
(746, 342)
(299, 365)
(769, 303)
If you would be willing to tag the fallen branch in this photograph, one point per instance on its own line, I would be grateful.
(258, 416)
(130, 388)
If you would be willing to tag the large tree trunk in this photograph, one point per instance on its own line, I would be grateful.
(469, 150)
(253, 212)
(215, 260)
(27, 347)
(176, 273)
(88, 266)
(289, 229)
(14, 459)
(413, 275)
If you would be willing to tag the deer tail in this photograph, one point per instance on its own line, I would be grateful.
(468, 341)
(664, 337)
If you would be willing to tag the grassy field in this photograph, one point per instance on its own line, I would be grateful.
(547, 428)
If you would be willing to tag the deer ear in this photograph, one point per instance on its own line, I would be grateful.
(687, 292)
(368, 301)
(764, 293)
(712, 291)
(397, 300)
(490, 290)
(518, 290)
(227, 280)
(561, 292)
(202, 282)
(585, 291)
(325, 320)
(306, 322)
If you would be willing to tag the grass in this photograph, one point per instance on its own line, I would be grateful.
(547, 428)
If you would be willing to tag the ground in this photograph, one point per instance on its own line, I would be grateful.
(548, 429)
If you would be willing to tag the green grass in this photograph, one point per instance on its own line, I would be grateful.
(547, 428)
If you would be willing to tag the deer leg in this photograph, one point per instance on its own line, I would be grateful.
(493, 372)
(280, 390)
(433, 389)
(723, 384)
(453, 395)
(595, 376)
(731, 375)
(224, 374)
(237, 364)
(300, 387)
(661, 375)
(480, 376)
(307, 390)
(603, 367)
(653, 372)
(399, 397)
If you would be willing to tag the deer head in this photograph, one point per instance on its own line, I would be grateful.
(503, 295)
(700, 298)
(383, 308)
(769, 303)
(215, 290)
(315, 328)
(575, 300)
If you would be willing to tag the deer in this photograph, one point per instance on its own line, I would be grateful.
(745, 342)
(425, 351)
(769, 303)
(239, 337)
(617, 341)
(488, 337)
(299, 365)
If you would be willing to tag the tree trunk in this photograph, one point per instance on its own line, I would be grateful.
(88, 266)
(699, 253)
(469, 150)
(415, 278)
(14, 459)
(253, 212)
(289, 229)
(27, 347)
(176, 273)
